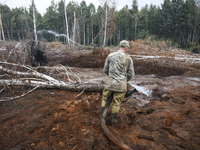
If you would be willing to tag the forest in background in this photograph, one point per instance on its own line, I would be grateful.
(177, 22)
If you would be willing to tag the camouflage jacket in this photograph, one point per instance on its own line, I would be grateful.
(119, 68)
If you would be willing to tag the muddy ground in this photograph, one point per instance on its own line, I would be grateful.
(54, 119)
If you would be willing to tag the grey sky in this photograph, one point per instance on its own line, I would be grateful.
(41, 5)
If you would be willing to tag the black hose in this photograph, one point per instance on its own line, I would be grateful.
(107, 131)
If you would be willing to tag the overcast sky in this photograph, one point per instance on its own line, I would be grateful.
(41, 5)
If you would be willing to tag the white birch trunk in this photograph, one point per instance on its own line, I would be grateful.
(74, 29)
(34, 21)
(105, 25)
(89, 87)
(2, 31)
(36, 79)
(66, 21)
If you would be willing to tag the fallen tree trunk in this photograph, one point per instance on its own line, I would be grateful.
(33, 72)
(76, 87)
(35, 79)
(15, 76)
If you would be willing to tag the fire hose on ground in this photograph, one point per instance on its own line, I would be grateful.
(107, 132)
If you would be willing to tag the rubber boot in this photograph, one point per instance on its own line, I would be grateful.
(113, 118)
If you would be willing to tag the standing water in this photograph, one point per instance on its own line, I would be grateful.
(142, 89)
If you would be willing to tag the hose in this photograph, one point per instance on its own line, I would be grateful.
(107, 131)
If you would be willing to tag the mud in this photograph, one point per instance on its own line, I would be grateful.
(51, 119)
(55, 119)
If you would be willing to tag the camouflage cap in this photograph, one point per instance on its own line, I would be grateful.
(124, 43)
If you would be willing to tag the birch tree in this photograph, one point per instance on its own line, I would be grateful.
(34, 20)
(74, 28)
(83, 13)
(134, 13)
(1, 28)
(92, 13)
(31, 78)
(66, 21)
(73, 17)
(106, 23)
(109, 6)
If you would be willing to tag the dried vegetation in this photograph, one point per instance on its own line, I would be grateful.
(149, 58)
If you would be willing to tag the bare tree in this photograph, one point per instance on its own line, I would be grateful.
(74, 29)
(109, 7)
(34, 21)
(66, 21)
(2, 28)
(106, 23)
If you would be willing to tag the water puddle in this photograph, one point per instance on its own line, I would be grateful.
(142, 89)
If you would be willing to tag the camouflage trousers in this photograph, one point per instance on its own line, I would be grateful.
(117, 99)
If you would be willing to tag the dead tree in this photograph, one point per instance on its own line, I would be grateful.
(66, 21)
(34, 20)
(74, 29)
(27, 76)
(2, 28)
(109, 6)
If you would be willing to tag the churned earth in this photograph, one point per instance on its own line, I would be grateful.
(54, 119)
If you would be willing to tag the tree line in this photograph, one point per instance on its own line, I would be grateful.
(176, 21)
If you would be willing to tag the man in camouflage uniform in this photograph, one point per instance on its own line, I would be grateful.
(119, 68)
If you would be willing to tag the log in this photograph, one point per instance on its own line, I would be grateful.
(75, 87)
(40, 80)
